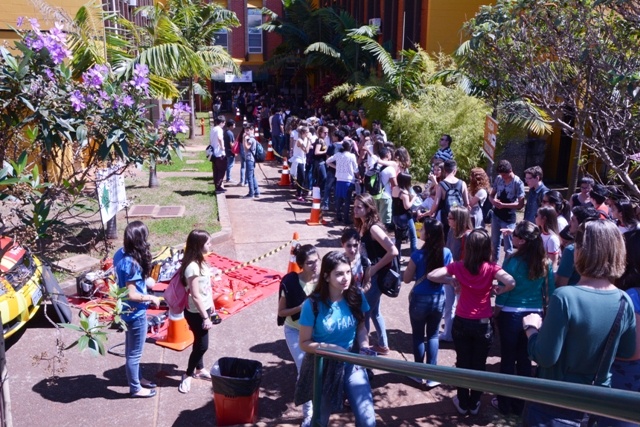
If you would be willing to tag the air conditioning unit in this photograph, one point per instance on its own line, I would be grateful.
(133, 3)
(377, 22)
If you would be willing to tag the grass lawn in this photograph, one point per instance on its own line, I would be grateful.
(195, 193)
(178, 165)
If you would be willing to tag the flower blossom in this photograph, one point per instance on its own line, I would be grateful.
(77, 101)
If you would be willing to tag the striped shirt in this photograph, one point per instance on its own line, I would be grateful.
(445, 154)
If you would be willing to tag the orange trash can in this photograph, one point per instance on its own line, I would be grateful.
(236, 389)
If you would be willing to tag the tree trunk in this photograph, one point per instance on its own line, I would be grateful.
(575, 168)
(153, 176)
(192, 115)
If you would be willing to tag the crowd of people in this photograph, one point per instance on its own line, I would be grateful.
(561, 295)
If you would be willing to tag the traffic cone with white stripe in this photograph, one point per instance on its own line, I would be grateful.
(270, 155)
(178, 336)
(316, 213)
(256, 132)
(285, 178)
(293, 265)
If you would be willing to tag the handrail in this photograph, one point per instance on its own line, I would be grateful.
(604, 401)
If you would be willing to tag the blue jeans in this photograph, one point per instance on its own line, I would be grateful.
(496, 225)
(450, 303)
(343, 203)
(310, 179)
(539, 415)
(411, 233)
(278, 141)
(425, 313)
(252, 182)
(135, 337)
(320, 169)
(230, 162)
(292, 337)
(358, 391)
(472, 339)
(329, 185)
(514, 355)
(243, 179)
(373, 298)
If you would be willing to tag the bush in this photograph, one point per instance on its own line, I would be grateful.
(442, 110)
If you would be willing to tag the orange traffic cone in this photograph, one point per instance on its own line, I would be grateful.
(238, 118)
(316, 213)
(293, 265)
(256, 132)
(270, 155)
(179, 336)
(285, 178)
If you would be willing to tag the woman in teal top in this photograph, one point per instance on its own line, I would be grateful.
(570, 344)
(533, 274)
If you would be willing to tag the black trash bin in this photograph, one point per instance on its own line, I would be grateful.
(236, 387)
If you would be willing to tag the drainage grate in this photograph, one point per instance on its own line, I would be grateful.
(170, 212)
(142, 210)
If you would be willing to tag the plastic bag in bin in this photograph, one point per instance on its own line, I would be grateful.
(232, 376)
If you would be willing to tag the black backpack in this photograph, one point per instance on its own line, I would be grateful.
(373, 181)
(452, 197)
(487, 210)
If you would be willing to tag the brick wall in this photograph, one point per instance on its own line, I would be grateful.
(272, 40)
(237, 37)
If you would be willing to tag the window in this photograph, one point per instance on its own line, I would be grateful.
(254, 32)
(221, 38)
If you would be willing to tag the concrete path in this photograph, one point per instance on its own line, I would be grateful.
(93, 391)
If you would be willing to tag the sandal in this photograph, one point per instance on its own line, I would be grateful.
(202, 375)
(185, 384)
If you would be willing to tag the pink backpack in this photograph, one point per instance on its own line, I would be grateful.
(176, 295)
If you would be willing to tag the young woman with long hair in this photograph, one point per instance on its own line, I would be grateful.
(554, 199)
(547, 220)
(196, 275)
(459, 228)
(624, 212)
(534, 278)
(426, 300)
(132, 266)
(479, 189)
(333, 318)
(472, 328)
(381, 251)
(402, 200)
(301, 147)
(569, 344)
(250, 143)
(294, 289)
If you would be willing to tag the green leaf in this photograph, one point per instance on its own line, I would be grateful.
(72, 327)
(81, 134)
(26, 102)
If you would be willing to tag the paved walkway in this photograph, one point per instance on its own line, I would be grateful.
(93, 391)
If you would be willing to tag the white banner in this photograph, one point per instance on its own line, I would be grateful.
(111, 192)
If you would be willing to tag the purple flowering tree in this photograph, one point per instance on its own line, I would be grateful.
(56, 130)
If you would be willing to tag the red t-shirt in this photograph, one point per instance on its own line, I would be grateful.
(475, 290)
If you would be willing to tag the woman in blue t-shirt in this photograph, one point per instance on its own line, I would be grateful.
(426, 300)
(332, 318)
(132, 264)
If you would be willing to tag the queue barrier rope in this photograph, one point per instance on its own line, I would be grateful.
(261, 257)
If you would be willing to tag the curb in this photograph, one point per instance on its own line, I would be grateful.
(225, 221)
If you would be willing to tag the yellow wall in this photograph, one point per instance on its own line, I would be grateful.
(10, 10)
(445, 18)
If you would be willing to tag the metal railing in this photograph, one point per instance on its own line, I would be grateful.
(604, 401)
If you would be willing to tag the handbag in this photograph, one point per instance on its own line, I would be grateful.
(235, 149)
(389, 280)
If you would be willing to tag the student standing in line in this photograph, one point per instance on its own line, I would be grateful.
(196, 275)
(132, 266)
(472, 327)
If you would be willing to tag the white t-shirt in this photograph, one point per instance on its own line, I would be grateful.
(216, 140)
(386, 175)
(298, 153)
(203, 277)
(562, 222)
(551, 243)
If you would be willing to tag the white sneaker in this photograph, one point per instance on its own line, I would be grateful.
(475, 410)
(431, 384)
(456, 403)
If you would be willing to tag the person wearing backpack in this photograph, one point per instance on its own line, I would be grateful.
(196, 275)
(450, 192)
(507, 196)
(250, 146)
(479, 197)
(388, 181)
